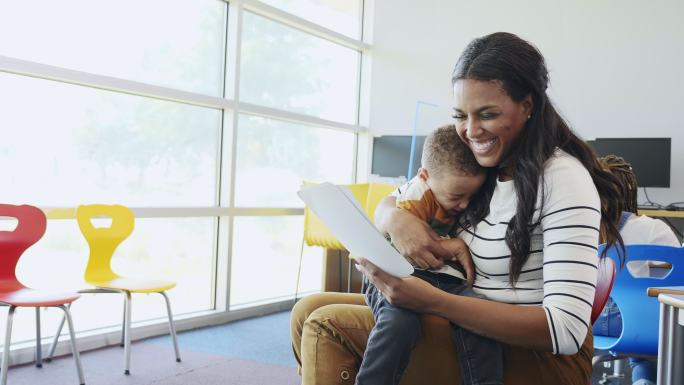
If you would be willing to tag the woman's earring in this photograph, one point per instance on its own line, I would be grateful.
(528, 117)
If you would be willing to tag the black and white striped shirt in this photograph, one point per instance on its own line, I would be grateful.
(560, 274)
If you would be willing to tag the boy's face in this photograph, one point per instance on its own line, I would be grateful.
(453, 190)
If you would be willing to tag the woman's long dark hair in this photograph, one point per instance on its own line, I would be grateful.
(521, 71)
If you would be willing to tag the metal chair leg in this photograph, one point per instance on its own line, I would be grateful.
(172, 327)
(127, 333)
(602, 358)
(123, 326)
(8, 341)
(74, 349)
(53, 345)
(39, 350)
(299, 272)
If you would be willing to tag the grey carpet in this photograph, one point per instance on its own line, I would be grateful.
(248, 352)
(153, 365)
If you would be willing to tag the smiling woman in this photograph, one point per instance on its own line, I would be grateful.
(533, 242)
(488, 120)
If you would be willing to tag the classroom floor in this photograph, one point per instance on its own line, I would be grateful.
(255, 351)
(249, 352)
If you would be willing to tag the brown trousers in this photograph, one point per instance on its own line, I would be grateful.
(330, 332)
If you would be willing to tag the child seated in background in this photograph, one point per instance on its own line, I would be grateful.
(448, 179)
(633, 228)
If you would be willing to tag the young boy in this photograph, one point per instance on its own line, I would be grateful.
(445, 183)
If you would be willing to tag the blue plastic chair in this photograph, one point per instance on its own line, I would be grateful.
(640, 313)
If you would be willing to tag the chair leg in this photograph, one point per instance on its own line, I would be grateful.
(8, 341)
(349, 273)
(602, 358)
(127, 333)
(619, 369)
(39, 351)
(53, 345)
(74, 349)
(172, 327)
(299, 271)
(123, 326)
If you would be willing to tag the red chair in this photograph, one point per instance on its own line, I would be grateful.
(604, 284)
(30, 228)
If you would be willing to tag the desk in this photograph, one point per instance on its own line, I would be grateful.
(662, 213)
(670, 334)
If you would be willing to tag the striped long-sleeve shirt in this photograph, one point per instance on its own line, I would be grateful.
(560, 274)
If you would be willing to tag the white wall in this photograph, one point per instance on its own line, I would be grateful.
(617, 67)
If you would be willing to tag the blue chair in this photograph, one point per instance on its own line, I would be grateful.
(640, 313)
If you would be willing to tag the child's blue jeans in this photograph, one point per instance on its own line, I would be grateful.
(396, 331)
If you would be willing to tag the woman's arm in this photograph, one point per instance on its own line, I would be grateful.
(524, 326)
(413, 237)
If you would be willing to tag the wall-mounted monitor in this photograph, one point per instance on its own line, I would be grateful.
(649, 157)
(391, 155)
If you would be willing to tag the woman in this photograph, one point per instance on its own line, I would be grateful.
(533, 234)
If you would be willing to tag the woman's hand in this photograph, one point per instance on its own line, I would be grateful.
(460, 253)
(411, 293)
(414, 238)
(524, 326)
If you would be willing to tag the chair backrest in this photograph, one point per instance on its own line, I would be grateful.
(103, 241)
(640, 313)
(30, 228)
(376, 191)
(316, 233)
(604, 284)
(368, 195)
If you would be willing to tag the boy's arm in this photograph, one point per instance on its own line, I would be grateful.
(459, 252)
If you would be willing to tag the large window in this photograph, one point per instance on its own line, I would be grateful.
(89, 145)
(343, 16)
(126, 102)
(269, 172)
(313, 76)
(174, 43)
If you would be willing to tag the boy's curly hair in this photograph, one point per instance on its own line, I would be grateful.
(444, 150)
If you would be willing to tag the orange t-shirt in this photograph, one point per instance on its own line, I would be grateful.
(417, 198)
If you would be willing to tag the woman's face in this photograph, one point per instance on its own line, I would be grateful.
(488, 120)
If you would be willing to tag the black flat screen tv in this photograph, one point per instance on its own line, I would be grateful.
(649, 157)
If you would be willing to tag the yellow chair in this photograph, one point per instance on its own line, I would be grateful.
(317, 234)
(103, 242)
(376, 191)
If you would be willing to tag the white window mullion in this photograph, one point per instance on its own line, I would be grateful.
(109, 83)
(294, 117)
(232, 89)
(54, 213)
(304, 25)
